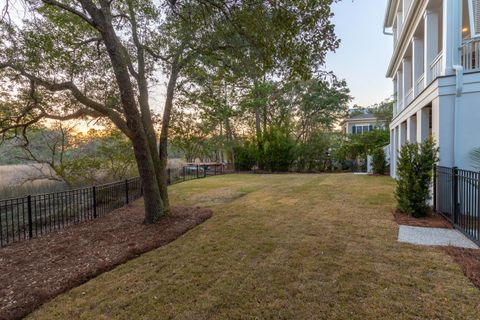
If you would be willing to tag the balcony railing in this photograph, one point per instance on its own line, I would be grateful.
(436, 66)
(420, 84)
(409, 97)
(399, 106)
(470, 54)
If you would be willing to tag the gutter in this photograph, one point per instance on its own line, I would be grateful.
(387, 15)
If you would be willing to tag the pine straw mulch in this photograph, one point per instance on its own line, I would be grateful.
(33, 272)
(469, 261)
(433, 220)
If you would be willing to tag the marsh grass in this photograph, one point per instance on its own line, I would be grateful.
(21, 180)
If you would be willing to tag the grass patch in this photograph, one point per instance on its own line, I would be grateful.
(291, 246)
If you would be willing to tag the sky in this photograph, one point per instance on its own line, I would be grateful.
(364, 52)
(361, 60)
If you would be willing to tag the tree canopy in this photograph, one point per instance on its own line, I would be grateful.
(71, 59)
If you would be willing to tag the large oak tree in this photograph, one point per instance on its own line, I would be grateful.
(69, 59)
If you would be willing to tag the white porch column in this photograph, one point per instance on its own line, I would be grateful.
(402, 135)
(431, 42)
(399, 22)
(395, 96)
(418, 62)
(412, 129)
(392, 153)
(443, 128)
(399, 91)
(405, 7)
(451, 34)
(407, 79)
(423, 124)
(395, 150)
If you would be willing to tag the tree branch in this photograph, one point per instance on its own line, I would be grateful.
(73, 89)
(72, 10)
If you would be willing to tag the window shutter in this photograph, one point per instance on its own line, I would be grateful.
(354, 129)
(475, 17)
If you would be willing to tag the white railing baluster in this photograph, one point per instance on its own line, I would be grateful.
(436, 66)
(470, 55)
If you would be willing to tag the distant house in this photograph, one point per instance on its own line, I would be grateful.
(362, 123)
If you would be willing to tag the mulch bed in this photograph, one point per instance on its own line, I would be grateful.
(433, 220)
(33, 272)
(469, 261)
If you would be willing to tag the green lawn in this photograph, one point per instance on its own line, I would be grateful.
(281, 247)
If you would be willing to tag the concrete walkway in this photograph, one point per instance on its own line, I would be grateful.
(434, 237)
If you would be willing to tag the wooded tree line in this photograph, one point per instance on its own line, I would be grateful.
(234, 68)
(272, 125)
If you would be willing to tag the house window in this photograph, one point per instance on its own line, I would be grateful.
(359, 129)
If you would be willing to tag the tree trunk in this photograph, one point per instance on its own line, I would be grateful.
(163, 145)
(143, 95)
(154, 206)
(258, 130)
(265, 118)
(258, 125)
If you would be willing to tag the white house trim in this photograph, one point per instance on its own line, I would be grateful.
(435, 69)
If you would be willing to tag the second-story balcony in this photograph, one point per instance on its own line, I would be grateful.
(470, 55)
(439, 40)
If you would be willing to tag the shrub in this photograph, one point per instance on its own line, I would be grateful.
(379, 162)
(278, 152)
(313, 154)
(415, 171)
(245, 156)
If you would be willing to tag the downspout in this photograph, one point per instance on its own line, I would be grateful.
(456, 110)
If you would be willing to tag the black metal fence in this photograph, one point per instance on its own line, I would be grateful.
(35, 215)
(457, 198)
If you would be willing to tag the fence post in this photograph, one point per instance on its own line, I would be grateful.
(169, 181)
(197, 171)
(478, 203)
(435, 188)
(183, 172)
(126, 191)
(30, 220)
(94, 190)
(215, 170)
(455, 194)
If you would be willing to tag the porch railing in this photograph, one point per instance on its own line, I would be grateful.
(420, 83)
(470, 54)
(436, 66)
(399, 105)
(409, 97)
